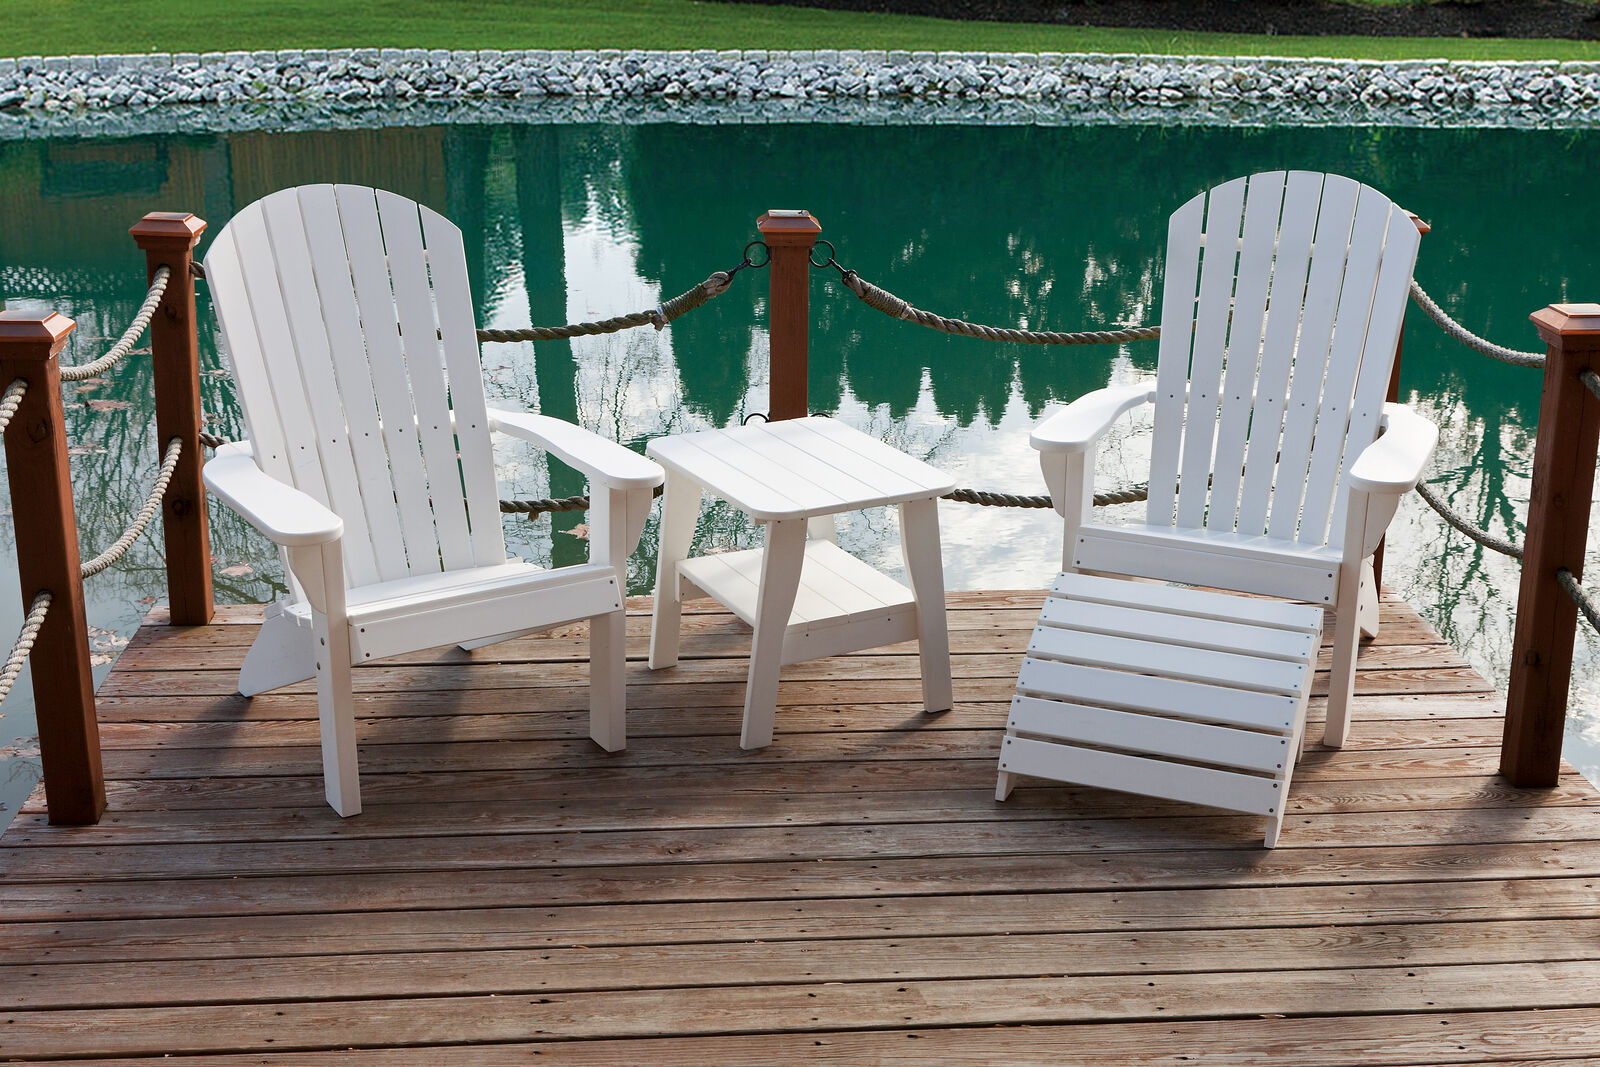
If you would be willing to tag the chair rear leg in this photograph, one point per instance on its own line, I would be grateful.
(1346, 646)
(1004, 784)
(608, 717)
(284, 652)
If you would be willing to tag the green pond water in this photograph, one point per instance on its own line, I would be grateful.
(1047, 228)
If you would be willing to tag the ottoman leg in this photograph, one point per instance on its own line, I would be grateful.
(780, 581)
(919, 538)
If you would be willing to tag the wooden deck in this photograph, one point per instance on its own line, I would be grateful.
(853, 894)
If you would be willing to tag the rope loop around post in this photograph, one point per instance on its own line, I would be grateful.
(11, 401)
(124, 345)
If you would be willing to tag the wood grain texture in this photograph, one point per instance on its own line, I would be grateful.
(45, 527)
(1559, 505)
(851, 895)
(168, 240)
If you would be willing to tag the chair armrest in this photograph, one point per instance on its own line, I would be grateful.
(605, 462)
(286, 515)
(1076, 427)
(1393, 464)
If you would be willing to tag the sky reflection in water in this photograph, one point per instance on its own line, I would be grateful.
(1046, 228)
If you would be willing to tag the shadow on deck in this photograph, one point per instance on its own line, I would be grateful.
(852, 894)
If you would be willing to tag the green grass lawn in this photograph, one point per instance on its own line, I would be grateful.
(64, 27)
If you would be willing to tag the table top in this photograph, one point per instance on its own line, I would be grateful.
(798, 468)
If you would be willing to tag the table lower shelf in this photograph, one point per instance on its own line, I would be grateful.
(842, 604)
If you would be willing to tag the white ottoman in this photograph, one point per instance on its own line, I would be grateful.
(1166, 692)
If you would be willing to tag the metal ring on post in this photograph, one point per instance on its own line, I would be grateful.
(762, 415)
(748, 262)
(829, 262)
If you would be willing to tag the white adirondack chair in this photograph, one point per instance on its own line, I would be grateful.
(1276, 465)
(347, 322)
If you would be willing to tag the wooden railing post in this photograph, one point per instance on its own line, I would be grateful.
(790, 236)
(1558, 525)
(47, 561)
(1393, 396)
(168, 239)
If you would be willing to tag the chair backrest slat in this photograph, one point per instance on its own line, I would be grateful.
(301, 309)
(1286, 352)
(1335, 215)
(1172, 368)
(288, 395)
(363, 244)
(1302, 191)
(348, 351)
(1389, 301)
(1217, 273)
(424, 369)
(447, 264)
(332, 301)
(1344, 363)
(243, 350)
(1263, 203)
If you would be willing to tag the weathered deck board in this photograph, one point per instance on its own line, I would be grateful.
(851, 895)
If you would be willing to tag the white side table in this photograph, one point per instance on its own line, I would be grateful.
(803, 596)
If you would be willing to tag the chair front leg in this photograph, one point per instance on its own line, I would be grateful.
(608, 714)
(615, 516)
(320, 569)
(1070, 478)
(1347, 625)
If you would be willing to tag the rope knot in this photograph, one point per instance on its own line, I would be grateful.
(717, 283)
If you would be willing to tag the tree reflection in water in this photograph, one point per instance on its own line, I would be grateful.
(1043, 227)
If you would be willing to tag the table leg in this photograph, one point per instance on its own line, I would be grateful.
(680, 507)
(919, 539)
(781, 561)
(821, 528)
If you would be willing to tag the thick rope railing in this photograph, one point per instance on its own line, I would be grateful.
(658, 316)
(536, 507)
(1591, 380)
(896, 307)
(1580, 596)
(1463, 525)
(984, 498)
(11, 401)
(124, 345)
(152, 504)
(880, 299)
(1467, 337)
(24, 643)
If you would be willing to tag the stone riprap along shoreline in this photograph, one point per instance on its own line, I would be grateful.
(309, 89)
